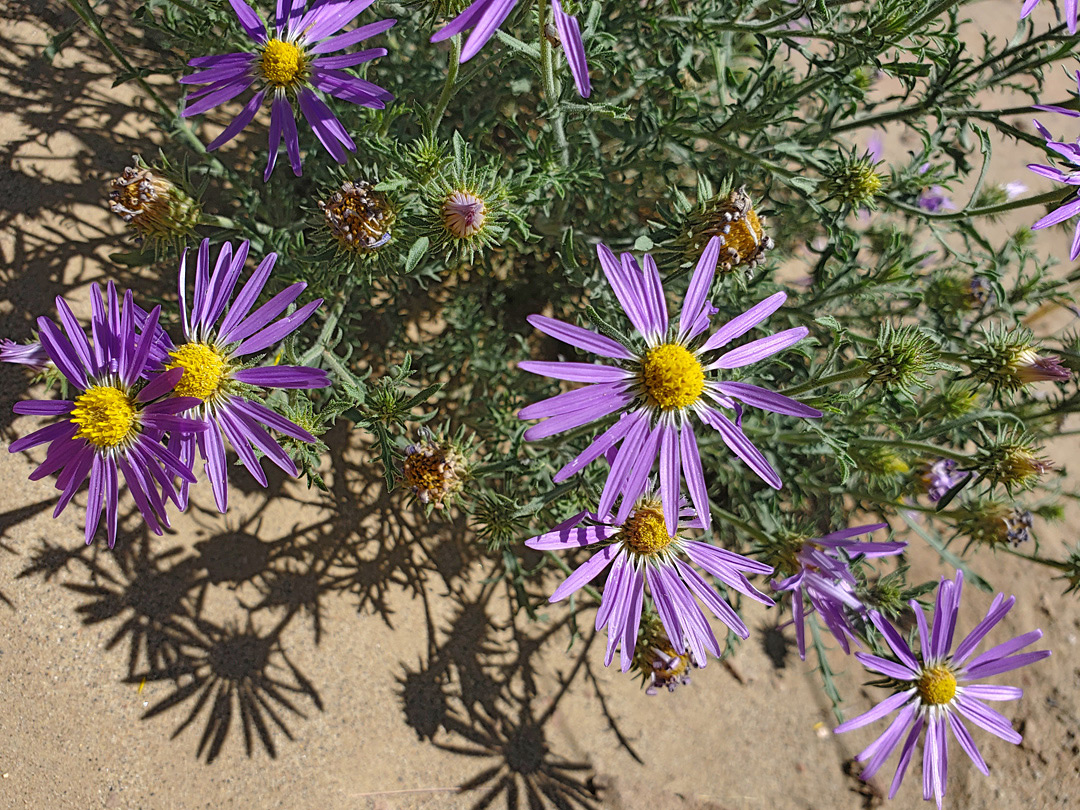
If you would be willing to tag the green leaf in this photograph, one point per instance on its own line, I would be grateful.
(417, 252)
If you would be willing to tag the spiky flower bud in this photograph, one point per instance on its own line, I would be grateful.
(156, 208)
(880, 461)
(463, 214)
(954, 293)
(655, 659)
(359, 217)
(434, 470)
(902, 358)
(734, 220)
(854, 181)
(1009, 361)
(993, 523)
(1012, 461)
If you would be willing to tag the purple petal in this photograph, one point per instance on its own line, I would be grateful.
(767, 400)
(242, 119)
(741, 446)
(998, 609)
(600, 445)
(986, 718)
(49, 433)
(571, 401)
(963, 737)
(278, 331)
(284, 377)
(160, 385)
(350, 38)
(571, 537)
(581, 338)
(895, 642)
(347, 60)
(573, 46)
(1000, 665)
(886, 667)
(575, 372)
(721, 609)
(328, 18)
(43, 407)
(759, 349)
(905, 755)
(987, 691)
(574, 419)
(742, 324)
(585, 573)
(249, 294)
(249, 428)
(327, 128)
(700, 284)
(887, 706)
(249, 21)
(638, 477)
(669, 476)
(623, 465)
(216, 95)
(625, 289)
(61, 352)
(260, 413)
(881, 749)
(694, 475)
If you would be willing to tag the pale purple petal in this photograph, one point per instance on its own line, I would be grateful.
(759, 349)
(249, 21)
(742, 324)
(700, 284)
(283, 377)
(581, 338)
(573, 47)
(590, 413)
(571, 401)
(767, 400)
(886, 667)
(575, 372)
(571, 537)
(694, 475)
(242, 119)
(350, 38)
(600, 445)
(585, 573)
(887, 706)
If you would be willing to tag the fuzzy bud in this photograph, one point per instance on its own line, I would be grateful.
(854, 182)
(463, 214)
(902, 358)
(1009, 361)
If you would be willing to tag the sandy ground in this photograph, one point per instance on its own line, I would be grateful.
(312, 651)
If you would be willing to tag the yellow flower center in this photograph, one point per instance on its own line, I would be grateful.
(105, 415)
(672, 377)
(645, 531)
(936, 685)
(204, 370)
(282, 63)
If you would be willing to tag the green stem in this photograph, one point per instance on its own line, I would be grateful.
(1055, 196)
(1060, 566)
(453, 65)
(924, 448)
(852, 373)
(551, 87)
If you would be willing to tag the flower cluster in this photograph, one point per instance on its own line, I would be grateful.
(145, 405)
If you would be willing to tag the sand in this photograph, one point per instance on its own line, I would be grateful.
(334, 651)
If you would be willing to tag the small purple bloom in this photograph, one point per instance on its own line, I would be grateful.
(291, 63)
(1071, 152)
(641, 551)
(940, 477)
(658, 382)
(485, 16)
(114, 426)
(936, 691)
(214, 375)
(1014, 190)
(24, 354)
(825, 581)
(935, 199)
(1071, 7)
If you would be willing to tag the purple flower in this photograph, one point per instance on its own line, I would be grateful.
(291, 62)
(826, 582)
(940, 477)
(657, 383)
(1070, 12)
(28, 354)
(113, 427)
(935, 199)
(1071, 152)
(936, 690)
(485, 16)
(215, 375)
(641, 551)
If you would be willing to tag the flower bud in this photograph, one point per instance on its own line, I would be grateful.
(463, 214)
(154, 207)
(655, 659)
(359, 217)
(853, 182)
(1011, 461)
(742, 231)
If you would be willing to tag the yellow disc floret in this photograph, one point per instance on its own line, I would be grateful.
(282, 64)
(645, 531)
(105, 415)
(204, 370)
(936, 685)
(672, 377)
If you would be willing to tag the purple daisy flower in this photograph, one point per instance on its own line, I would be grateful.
(1071, 7)
(825, 581)
(658, 385)
(291, 62)
(24, 354)
(935, 199)
(642, 551)
(485, 16)
(936, 690)
(215, 373)
(1071, 152)
(115, 424)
